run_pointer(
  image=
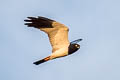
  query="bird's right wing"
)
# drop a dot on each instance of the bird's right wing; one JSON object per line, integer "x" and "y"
{"x": 75, "y": 41}
{"x": 57, "y": 32}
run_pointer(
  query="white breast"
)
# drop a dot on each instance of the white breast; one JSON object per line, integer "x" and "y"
{"x": 60, "y": 53}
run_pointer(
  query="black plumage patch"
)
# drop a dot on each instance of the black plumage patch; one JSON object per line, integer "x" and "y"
{"x": 72, "y": 48}
{"x": 40, "y": 22}
{"x": 39, "y": 62}
{"x": 42, "y": 60}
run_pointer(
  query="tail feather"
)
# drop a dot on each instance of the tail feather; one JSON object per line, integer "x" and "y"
{"x": 42, "y": 60}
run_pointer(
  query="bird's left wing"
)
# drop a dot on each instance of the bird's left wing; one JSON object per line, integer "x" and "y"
{"x": 57, "y": 32}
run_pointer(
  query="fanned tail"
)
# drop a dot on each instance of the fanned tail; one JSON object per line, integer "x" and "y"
{"x": 42, "y": 60}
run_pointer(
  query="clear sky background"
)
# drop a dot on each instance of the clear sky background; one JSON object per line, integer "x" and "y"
{"x": 97, "y": 22}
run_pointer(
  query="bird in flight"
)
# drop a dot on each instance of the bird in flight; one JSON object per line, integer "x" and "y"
{"x": 58, "y": 37}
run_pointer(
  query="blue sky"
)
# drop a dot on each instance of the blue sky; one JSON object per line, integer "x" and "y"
{"x": 96, "y": 21}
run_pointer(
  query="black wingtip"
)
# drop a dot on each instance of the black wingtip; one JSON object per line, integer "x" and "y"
{"x": 38, "y": 22}
{"x": 32, "y": 18}
{"x": 39, "y": 62}
{"x": 27, "y": 20}
{"x": 80, "y": 39}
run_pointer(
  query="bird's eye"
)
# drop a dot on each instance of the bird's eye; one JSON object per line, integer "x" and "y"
{"x": 77, "y": 46}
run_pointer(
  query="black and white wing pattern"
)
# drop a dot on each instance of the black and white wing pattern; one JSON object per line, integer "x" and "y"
{"x": 57, "y": 32}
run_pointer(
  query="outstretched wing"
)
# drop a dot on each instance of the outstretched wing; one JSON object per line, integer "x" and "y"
{"x": 57, "y": 32}
{"x": 75, "y": 41}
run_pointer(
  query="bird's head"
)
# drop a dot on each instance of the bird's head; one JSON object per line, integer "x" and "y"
{"x": 73, "y": 47}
